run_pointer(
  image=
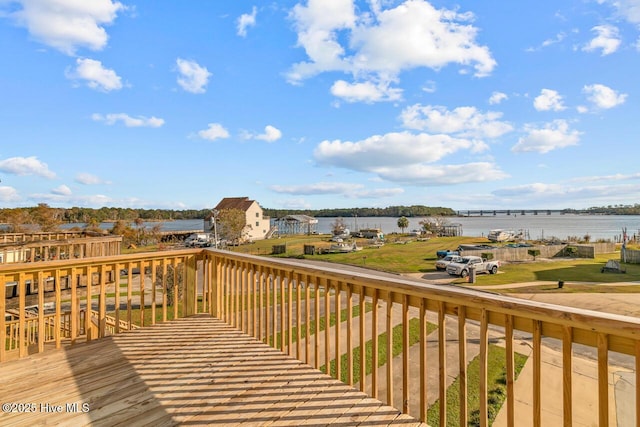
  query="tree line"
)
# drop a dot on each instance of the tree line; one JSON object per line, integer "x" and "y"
{"x": 30, "y": 215}
{"x": 390, "y": 211}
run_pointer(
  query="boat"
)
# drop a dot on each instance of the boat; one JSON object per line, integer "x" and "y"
{"x": 344, "y": 247}
{"x": 499, "y": 235}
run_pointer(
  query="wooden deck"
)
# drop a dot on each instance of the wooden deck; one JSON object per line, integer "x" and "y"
{"x": 190, "y": 371}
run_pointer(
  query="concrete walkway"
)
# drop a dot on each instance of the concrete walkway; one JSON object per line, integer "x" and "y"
{"x": 622, "y": 386}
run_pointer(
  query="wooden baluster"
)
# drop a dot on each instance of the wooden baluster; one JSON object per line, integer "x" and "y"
{"x": 41, "y": 328}
{"x": 405, "y": 354}
{"x": 327, "y": 325}
{"x": 298, "y": 317}
{"x": 350, "y": 334}
{"x": 289, "y": 314}
{"x": 143, "y": 279}
{"x": 462, "y": 363}
{"x": 281, "y": 280}
{"x": 374, "y": 346}
{"x": 603, "y": 380}
{"x": 102, "y": 302}
{"x": 316, "y": 334}
{"x": 442, "y": 362}
{"x": 75, "y": 314}
{"x": 389, "y": 349}
{"x": 307, "y": 323}
{"x": 88, "y": 324}
{"x": 567, "y": 375}
{"x": 509, "y": 350}
{"x": 423, "y": 360}
{"x": 537, "y": 373}
{"x": 3, "y": 321}
{"x": 337, "y": 337}
{"x": 363, "y": 339}
{"x": 58, "y": 302}
{"x": 154, "y": 277}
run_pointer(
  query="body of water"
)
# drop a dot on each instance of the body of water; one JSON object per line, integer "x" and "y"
{"x": 541, "y": 226}
{"x": 537, "y": 227}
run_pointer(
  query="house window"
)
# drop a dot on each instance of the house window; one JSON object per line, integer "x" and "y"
{"x": 257, "y": 214}
{"x": 257, "y": 223}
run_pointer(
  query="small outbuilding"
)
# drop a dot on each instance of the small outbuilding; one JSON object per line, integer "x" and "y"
{"x": 296, "y": 224}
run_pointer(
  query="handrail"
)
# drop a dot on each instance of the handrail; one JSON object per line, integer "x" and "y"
{"x": 244, "y": 282}
{"x": 124, "y": 291}
{"x": 323, "y": 314}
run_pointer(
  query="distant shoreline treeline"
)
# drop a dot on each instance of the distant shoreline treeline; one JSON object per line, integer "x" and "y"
{"x": 391, "y": 211}
{"x": 106, "y": 214}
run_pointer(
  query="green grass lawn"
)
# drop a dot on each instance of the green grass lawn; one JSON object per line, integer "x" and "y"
{"x": 420, "y": 256}
{"x": 497, "y": 380}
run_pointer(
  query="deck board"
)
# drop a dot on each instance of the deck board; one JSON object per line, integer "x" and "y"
{"x": 194, "y": 371}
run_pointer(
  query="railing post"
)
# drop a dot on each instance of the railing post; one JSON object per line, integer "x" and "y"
{"x": 41, "y": 329}
{"x": 389, "y": 349}
{"x": 190, "y": 285}
{"x": 22, "y": 336}
{"x": 102, "y": 313}
{"x": 462, "y": 363}
{"x": 3, "y": 326}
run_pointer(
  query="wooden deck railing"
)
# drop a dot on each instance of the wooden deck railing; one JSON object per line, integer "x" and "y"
{"x": 333, "y": 318}
{"x": 121, "y": 292}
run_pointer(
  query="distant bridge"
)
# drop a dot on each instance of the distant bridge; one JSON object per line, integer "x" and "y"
{"x": 495, "y": 212}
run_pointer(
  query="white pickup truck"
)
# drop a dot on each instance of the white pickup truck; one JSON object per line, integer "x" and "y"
{"x": 481, "y": 265}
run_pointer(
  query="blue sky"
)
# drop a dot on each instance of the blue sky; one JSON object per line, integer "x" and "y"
{"x": 320, "y": 103}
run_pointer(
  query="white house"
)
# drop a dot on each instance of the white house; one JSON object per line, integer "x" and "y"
{"x": 257, "y": 225}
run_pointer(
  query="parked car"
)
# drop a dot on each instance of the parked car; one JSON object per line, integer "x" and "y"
{"x": 481, "y": 265}
{"x": 442, "y": 263}
{"x": 444, "y": 253}
{"x": 199, "y": 240}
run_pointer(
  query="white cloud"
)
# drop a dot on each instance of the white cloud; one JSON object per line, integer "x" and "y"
{"x": 408, "y": 158}
{"x": 562, "y": 195}
{"x": 192, "y": 77}
{"x": 62, "y": 190}
{"x": 548, "y": 42}
{"x": 607, "y": 40}
{"x": 376, "y": 48}
{"x": 528, "y": 190}
{"x": 421, "y": 174}
{"x": 628, "y": 9}
{"x": 298, "y": 203}
{"x": 415, "y": 34}
{"x": 245, "y": 21}
{"x": 127, "y": 120}
{"x": 89, "y": 179}
{"x": 67, "y": 25}
{"x": 317, "y": 188}
{"x": 8, "y": 194}
{"x": 600, "y": 178}
{"x": 213, "y": 132}
{"x": 497, "y": 98}
{"x": 352, "y": 191}
{"x": 391, "y": 150}
{"x": 548, "y": 100}
{"x": 96, "y": 76}
{"x": 26, "y": 166}
{"x": 368, "y": 92}
{"x": 463, "y": 121}
{"x": 603, "y": 97}
{"x": 552, "y": 136}
{"x": 270, "y": 134}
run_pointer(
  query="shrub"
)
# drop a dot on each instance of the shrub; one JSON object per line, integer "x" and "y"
{"x": 571, "y": 251}
{"x": 487, "y": 255}
{"x": 534, "y": 253}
